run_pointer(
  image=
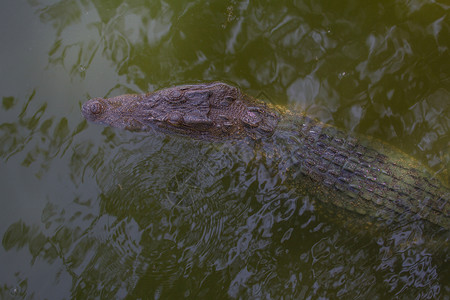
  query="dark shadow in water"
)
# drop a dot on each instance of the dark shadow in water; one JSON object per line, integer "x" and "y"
{"x": 174, "y": 225}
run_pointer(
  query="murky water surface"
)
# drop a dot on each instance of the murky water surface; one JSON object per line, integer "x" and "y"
{"x": 93, "y": 212}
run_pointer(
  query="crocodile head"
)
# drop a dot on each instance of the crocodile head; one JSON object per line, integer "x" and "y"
{"x": 207, "y": 111}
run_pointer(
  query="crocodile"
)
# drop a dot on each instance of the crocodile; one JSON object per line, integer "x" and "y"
{"x": 353, "y": 172}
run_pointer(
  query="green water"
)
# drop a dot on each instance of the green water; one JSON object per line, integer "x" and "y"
{"x": 91, "y": 212}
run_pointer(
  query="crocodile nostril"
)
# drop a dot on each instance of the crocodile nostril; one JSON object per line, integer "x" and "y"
{"x": 96, "y": 108}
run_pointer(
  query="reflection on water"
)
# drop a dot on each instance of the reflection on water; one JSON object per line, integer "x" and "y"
{"x": 30, "y": 135}
{"x": 138, "y": 215}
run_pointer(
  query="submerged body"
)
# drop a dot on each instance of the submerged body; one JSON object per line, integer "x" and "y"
{"x": 355, "y": 173}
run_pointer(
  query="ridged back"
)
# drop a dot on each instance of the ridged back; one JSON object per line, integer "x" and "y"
{"x": 359, "y": 173}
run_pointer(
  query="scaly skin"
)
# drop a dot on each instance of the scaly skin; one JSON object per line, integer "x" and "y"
{"x": 352, "y": 172}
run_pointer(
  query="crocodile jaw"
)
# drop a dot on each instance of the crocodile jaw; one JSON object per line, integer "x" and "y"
{"x": 208, "y": 111}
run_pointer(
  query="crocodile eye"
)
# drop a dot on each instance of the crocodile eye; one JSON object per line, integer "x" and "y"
{"x": 173, "y": 96}
{"x": 252, "y": 117}
{"x": 96, "y": 108}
